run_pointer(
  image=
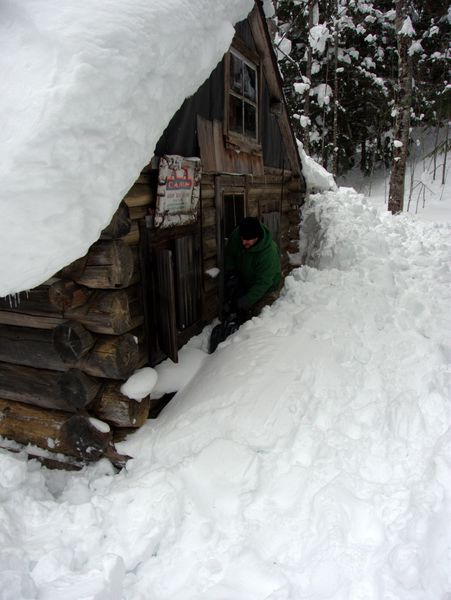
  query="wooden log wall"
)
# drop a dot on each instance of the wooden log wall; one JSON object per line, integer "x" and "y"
{"x": 67, "y": 346}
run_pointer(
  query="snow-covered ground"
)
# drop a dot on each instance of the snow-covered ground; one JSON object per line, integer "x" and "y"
{"x": 308, "y": 458}
{"x": 426, "y": 196}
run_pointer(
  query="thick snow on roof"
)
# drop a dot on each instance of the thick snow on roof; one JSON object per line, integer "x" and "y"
{"x": 87, "y": 90}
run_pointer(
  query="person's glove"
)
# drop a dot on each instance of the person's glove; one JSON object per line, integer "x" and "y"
{"x": 243, "y": 303}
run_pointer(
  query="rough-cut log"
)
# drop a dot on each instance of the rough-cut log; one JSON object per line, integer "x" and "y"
{"x": 27, "y": 301}
{"x": 77, "y": 388}
{"x": 114, "y": 357}
{"x": 65, "y": 294}
{"x": 117, "y": 409}
{"x": 110, "y": 312}
{"x": 88, "y": 437}
{"x": 69, "y": 391}
{"x": 54, "y": 430}
{"x": 139, "y": 195}
{"x": 72, "y": 341}
{"x": 120, "y": 223}
{"x": 71, "y": 345}
{"x": 109, "y": 264}
{"x": 132, "y": 238}
{"x": 26, "y": 346}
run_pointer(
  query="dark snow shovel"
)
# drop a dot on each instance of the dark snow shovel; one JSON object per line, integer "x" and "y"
{"x": 223, "y": 330}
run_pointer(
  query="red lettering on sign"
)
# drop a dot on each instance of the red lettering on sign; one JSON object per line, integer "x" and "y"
{"x": 184, "y": 182}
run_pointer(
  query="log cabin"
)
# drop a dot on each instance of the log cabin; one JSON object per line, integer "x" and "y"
{"x": 150, "y": 282}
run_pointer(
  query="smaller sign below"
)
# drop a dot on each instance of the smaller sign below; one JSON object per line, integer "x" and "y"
{"x": 178, "y": 190}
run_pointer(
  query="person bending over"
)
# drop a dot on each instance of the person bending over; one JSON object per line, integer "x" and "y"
{"x": 252, "y": 268}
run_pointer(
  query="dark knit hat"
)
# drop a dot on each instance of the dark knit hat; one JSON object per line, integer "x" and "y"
{"x": 250, "y": 229}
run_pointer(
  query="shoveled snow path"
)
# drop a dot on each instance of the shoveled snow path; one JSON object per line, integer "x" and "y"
{"x": 310, "y": 456}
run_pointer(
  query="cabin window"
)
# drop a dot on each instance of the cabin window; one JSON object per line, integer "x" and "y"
{"x": 242, "y": 97}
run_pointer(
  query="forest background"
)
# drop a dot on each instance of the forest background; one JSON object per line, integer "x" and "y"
{"x": 365, "y": 80}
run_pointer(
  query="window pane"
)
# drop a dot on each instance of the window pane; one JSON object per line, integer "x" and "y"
{"x": 235, "y": 114}
{"x": 236, "y": 74}
{"x": 249, "y": 79}
{"x": 250, "y": 120}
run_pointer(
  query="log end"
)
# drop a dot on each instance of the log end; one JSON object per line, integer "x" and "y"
{"x": 86, "y": 439}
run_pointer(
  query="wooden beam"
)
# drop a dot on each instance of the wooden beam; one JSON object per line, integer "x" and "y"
{"x": 109, "y": 312}
{"x": 71, "y": 390}
{"x": 109, "y": 264}
{"x": 120, "y": 223}
{"x": 53, "y": 430}
{"x": 115, "y": 408}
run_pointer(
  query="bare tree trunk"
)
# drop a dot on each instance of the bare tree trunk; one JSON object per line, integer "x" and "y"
{"x": 335, "y": 121}
{"x": 446, "y": 154}
{"x": 308, "y": 74}
{"x": 402, "y": 121}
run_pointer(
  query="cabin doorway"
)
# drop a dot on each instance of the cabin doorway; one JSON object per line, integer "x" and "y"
{"x": 231, "y": 208}
{"x": 172, "y": 277}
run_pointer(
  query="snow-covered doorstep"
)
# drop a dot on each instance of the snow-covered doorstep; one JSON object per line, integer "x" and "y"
{"x": 309, "y": 458}
{"x": 87, "y": 89}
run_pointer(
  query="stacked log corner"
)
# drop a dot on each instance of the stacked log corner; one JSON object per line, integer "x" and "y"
{"x": 67, "y": 346}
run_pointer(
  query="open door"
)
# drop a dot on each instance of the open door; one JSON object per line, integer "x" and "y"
{"x": 172, "y": 291}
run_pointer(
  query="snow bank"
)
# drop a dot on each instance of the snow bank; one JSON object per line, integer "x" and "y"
{"x": 87, "y": 90}
{"x": 310, "y": 456}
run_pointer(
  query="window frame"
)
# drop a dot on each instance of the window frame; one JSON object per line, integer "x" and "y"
{"x": 233, "y": 138}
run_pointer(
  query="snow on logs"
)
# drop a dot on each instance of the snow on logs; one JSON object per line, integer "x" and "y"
{"x": 67, "y": 346}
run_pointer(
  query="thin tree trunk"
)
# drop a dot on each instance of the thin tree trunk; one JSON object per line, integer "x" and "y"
{"x": 335, "y": 117}
{"x": 402, "y": 121}
{"x": 306, "y": 129}
{"x": 446, "y": 155}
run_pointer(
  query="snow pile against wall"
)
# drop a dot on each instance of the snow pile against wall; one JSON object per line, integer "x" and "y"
{"x": 87, "y": 90}
{"x": 317, "y": 178}
{"x": 309, "y": 457}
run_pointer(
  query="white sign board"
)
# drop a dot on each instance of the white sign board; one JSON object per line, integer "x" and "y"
{"x": 178, "y": 190}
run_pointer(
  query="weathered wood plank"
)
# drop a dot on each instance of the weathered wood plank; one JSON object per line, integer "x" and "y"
{"x": 65, "y": 294}
{"x": 109, "y": 264}
{"x": 71, "y": 341}
{"x": 120, "y": 223}
{"x": 132, "y": 238}
{"x": 70, "y": 391}
{"x": 108, "y": 312}
{"x": 140, "y": 194}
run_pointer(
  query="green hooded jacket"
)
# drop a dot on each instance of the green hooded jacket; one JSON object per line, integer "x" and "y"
{"x": 258, "y": 268}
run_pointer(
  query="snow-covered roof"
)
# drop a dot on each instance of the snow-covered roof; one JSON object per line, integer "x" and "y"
{"x": 87, "y": 90}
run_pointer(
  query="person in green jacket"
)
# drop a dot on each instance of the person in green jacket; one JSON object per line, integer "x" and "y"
{"x": 252, "y": 257}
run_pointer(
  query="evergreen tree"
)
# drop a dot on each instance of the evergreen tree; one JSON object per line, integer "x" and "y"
{"x": 341, "y": 75}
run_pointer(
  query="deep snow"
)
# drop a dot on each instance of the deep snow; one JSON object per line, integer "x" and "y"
{"x": 309, "y": 457}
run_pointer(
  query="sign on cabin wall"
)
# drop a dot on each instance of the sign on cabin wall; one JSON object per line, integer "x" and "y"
{"x": 178, "y": 190}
